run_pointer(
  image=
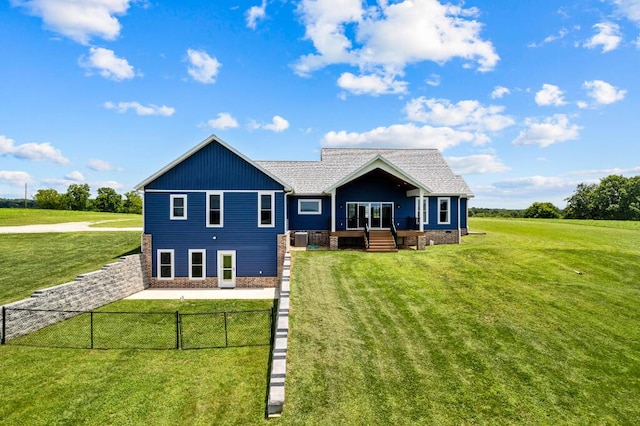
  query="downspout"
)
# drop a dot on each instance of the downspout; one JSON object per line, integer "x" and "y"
{"x": 333, "y": 210}
{"x": 459, "y": 229}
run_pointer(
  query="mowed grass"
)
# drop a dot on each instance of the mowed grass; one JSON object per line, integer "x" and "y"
{"x": 33, "y": 261}
{"x": 535, "y": 322}
{"x": 44, "y": 386}
{"x": 18, "y": 217}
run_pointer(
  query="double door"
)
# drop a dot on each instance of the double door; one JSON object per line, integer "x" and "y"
{"x": 377, "y": 215}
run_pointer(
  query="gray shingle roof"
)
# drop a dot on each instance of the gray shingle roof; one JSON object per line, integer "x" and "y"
{"x": 425, "y": 166}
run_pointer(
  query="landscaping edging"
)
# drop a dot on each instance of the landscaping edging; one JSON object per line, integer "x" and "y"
{"x": 275, "y": 401}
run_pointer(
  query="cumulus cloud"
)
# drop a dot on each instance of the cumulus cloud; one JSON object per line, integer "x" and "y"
{"x": 607, "y": 172}
{"x": 549, "y": 131}
{"x": 629, "y": 8}
{"x": 101, "y": 165}
{"x": 107, "y": 64}
{"x": 608, "y": 36}
{"x": 477, "y": 164}
{"x": 467, "y": 114}
{"x": 499, "y": 91}
{"x": 15, "y": 178}
{"x": 256, "y": 13}
{"x": 383, "y": 39}
{"x": 122, "y": 107}
{"x": 371, "y": 84}
{"x": 550, "y": 95}
{"x": 31, "y": 151}
{"x": 223, "y": 121}
{"x": 75, "y": 176}
{"x": 278, "y": 124}
{"x": 433, "y": 80}
{"x": 202, "y": 67}
{"x": 551, "y": 38}
{"x": 603, "y": 93}
{"x": 400, "y": 136}
{"x": 80, "y": 20}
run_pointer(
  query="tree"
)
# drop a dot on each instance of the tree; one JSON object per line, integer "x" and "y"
{"x": 581, "y": 204}
{"x": 78, "y": 196}
{"x": 542, "y": 211}
{"x": 108, "y": 200}
{"x": 132, "y": 203}
{"x": 614, "y": 198}
{"x": 49, "y": 199}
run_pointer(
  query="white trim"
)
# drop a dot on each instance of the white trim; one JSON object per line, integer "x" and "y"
{"x": 316, "y": 200}
{"x": 333, "y": 210}
{"x": 448, "y": 221}
{"x": 273, "y": 209}
{"x": 206, "y": 212}
{"x": 220, "y": 254}
{"x": 459, "y": 229}
{"x": 205, "y": 190}
{"x": 159, "y": 265}
{"x": 369, "y": 216}
{"x": 286, "y": 212}
{"x": 172, "y": 198}
{"x": 204, "y": 264}
{"x": 422, "y": 213}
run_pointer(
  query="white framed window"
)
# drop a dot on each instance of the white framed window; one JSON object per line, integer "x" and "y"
{"x": 444, "y": 210}
{"x": 165, "y": 265}
{"x": 310, "y": 206}
{"x": 215, "y": 209}
{"x": 197, "y": 264}
{"x": 266, "y": 209}
{"x": 425, "y": 209}
{"x": 178, "y": 206}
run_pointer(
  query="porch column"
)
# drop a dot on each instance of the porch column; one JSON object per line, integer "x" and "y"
{"x": 421, "y": 211}
{"x": 333, "y": 211}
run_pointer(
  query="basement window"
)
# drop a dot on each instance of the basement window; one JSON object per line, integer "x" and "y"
{"x": 165, "y": 265}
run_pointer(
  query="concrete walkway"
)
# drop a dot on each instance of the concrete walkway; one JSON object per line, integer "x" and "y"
{"x": 209, "y": 293}
{"x": 62, "y": 227}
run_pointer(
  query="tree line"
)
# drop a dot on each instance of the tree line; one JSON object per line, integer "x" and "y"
{"x": 78, "y": 198}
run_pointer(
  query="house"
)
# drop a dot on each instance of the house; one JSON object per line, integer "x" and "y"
{"x": 215, "y": 218}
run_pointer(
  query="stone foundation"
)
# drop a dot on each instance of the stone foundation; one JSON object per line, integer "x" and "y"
{"x": 442, "y": 237}
{"x": 333, "y": 243}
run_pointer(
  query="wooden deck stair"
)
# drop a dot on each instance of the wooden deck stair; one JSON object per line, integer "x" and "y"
{"x": 381, "y": 242}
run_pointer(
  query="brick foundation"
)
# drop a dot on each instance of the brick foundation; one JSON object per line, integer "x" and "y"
{"x": 333, "y": 243}
{"x": 318, "y": 238}
{"x": 442, "y": 237}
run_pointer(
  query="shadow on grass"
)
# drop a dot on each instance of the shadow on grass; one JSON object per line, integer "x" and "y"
{"x": 136, "y": 250}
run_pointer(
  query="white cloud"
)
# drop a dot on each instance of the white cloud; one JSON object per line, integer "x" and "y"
{"x": 14, "y": 178}
{"x": 31, "y": 151}
{"x": 477, "y": 164}
{"x": 383, "y": 39}
{"x": 551, "y": 130}
{"x": 550, "y": 95}
{"x": 202, "y": 67}
{"x": 75, "y": 176}
{"x": 551, "y": 38}
{"x": 140, "y": 109}
{"x": 223, "y": 121}
{"x": 371, "y": 84}
{"x": 80, "y": 20}
{"x": 608, "y": 37}
{"x": 629, "y": 8}
{"x": 109, "y": 184}
{"x": 467, "y": 114}
{"x": 433, "y": 80}
{"x": 499, "y": 91}
{"x": 637, "y": 42}
{"x": 256, "y": 13}
{"x": 107, "y": 64}
{"x": 608, "y": 172}
{"x": 400, "y": 136}
{"x": 101, "y": 165}
{"x": 603, "y": 93}
{"x": 278, "y": 124}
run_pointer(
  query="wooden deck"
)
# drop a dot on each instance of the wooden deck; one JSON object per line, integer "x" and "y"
{"x": 354, "y": 233}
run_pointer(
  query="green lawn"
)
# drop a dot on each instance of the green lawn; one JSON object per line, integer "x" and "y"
{"x": 32, "y": 261}
{"x": 17, "y": 217}
{"x": 499, "y": 330}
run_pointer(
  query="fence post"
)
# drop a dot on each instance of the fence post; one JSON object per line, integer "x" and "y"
{"x": 91, "y": 320}
{"x": 4, "y": 325}
{"x": 177, "y": 329}
{"x": 226, "y": 337}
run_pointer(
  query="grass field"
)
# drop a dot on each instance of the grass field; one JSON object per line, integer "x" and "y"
{"x": 17, "y": 217}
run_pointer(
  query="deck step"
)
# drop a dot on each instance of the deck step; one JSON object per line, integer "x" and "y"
{"x": 381, "y": 242}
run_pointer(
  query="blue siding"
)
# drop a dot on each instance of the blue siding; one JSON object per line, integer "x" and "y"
{"x": 256, "y": 248}
{"x": 463, "y": 212}
{"x": 434, "y": 212}
{"x": 214, "y": 167}
{"x": 312, "y": 221}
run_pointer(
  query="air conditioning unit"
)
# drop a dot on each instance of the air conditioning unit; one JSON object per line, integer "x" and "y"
{"x": 302, "y": 239}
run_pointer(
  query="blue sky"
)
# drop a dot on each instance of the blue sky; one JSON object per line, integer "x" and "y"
{"x": 525, "y": 99}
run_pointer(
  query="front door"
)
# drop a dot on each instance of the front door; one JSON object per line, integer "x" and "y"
{"x": 226, "y": 268}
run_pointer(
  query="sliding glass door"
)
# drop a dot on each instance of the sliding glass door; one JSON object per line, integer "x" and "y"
{"x": 377, "y": 215}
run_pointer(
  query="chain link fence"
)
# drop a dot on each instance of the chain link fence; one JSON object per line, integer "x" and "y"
{"x": 136, "y": 330}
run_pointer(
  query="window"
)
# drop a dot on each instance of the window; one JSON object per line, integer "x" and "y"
{"x": 165, "y": 264}
{"x": 266, "y": 207}
{"x": 310, "y": 206}
{"x": 197, "y": 264}
{"x": 178, "y": 207}
{"x": 215, "y": 209}
{"x": 443, "y": 210}
{"x": 425, "y": 209}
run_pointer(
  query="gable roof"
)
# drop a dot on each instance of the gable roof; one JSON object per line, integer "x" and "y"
{"x": 425, "y": 168}
{"x": 195, "y": 149}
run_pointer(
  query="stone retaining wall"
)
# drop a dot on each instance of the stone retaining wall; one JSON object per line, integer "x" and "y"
{"x": 89, "y": 291}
